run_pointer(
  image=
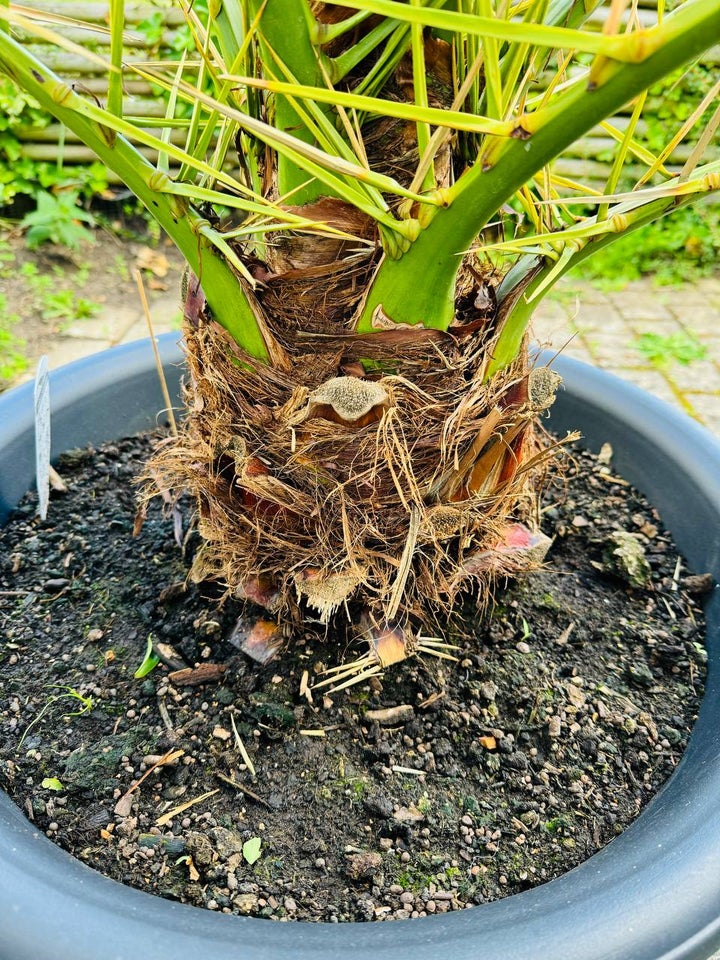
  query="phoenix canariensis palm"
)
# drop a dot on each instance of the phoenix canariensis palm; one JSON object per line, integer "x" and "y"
{"x": 361, "y": 429}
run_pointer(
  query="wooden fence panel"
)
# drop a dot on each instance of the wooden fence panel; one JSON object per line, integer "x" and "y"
{"x": 586, "y": 161}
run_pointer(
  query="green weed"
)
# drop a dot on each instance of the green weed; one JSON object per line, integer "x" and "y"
{"x": 661, "y": 351}
{"x": 67, "y": 305}
{"x": 414, "y": 880}
{"x": 150, "y": 660}
{"x": 152, "y": 29}
{"x": 57, "y": 219}
{"x": 59, "y": 304}
{"x": 12, "y": 359}
{"x": 121, "y": 267}
{"x": 7, "y": 260}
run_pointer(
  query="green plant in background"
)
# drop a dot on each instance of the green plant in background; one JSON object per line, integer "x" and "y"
{"x": 678, "y": 250}
{"x": 13, "y": 361}
{"x": 67, "y": 305}
{"x": 661, "y": 351}
{"x": 50, "y": 297}
{"x": 20, "y": 174}
{"x": 357, "y": 302}
{"x": 152, "y": 28}
{"x": 674, "y": 100}
{"x": 57, "y": 219}
{"x": 17, "y": 109}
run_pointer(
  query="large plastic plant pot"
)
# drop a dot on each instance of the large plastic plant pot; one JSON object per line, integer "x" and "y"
{"x": 654, "y": 892}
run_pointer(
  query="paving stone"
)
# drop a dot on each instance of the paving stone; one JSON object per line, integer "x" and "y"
{"x": 647, "y": 379}
{"x": 701, "y": 320}
{"x": 707, "y": 409}
{"x": 702, "y": 376}
{"x": 665, "y": 326}
{"x": 109, "y": 326}
{"x": 65, "y": 350}
{"x": 166, "y": 308}
{"x": 586, "y": 292}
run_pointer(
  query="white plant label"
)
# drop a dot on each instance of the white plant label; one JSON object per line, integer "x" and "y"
{"x": 42, "y": 435}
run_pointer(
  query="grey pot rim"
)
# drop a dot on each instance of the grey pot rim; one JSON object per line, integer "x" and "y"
{"x": 653, "y": 893}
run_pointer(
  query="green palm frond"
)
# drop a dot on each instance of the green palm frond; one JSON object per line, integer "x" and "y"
{"x": 518, "y": 84}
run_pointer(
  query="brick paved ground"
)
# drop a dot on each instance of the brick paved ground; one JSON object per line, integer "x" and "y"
{"x": 604, "y": 328}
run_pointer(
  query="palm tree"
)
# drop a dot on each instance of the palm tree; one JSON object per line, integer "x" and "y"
{"x": 366, "y": 199}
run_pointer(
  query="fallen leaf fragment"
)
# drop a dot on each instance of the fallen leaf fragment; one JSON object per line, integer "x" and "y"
{"x": 52, "y": 783}
{"x": 154, "y": 261}
{"x": 490, "y": 743}
{"x": 518, "y": 547}
{"x": 387, "y": 643}
{"x": 251, "y": 849}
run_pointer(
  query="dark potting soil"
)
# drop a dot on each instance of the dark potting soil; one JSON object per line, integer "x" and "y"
{"x": 440, "y": 786}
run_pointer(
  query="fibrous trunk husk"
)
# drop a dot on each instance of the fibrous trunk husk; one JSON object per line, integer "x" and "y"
{"x": 375, "y": 473}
